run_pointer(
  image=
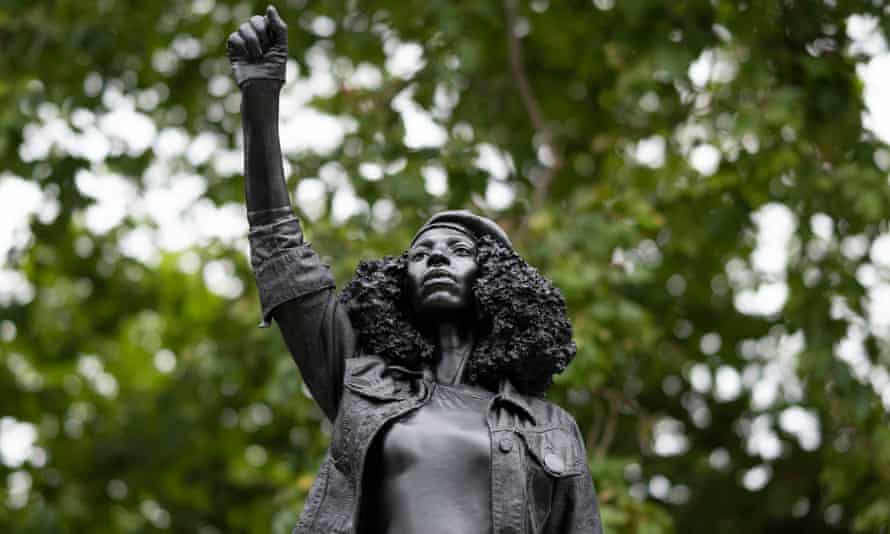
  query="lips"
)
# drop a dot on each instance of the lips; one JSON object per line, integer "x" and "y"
{"x": 438, "y": 276}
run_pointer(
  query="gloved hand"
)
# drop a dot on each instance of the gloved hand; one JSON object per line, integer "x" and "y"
{"x": 258, "y": 50}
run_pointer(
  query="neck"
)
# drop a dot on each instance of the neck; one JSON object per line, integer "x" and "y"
{"x": 456, "y": 341}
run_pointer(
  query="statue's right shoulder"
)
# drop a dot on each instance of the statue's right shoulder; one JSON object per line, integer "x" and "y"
{"x": 364, "y": 365}
{"x": 372, "y": 376}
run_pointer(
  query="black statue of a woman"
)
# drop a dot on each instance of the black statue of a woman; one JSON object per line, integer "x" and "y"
{"x": 431, "y": 365}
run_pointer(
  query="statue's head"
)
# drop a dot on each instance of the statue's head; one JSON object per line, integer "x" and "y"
{"x": 440, "y": 273}
{"x": 461, "y": 265}
{"x": 442, "y": 264}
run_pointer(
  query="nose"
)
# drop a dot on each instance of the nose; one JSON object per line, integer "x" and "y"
{"x": 437, "y": 258}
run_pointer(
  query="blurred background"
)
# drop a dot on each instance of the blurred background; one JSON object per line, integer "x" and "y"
{"x": 705, "y": 180}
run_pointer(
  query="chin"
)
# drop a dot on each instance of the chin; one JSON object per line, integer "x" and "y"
{"x": 441, "y": 303}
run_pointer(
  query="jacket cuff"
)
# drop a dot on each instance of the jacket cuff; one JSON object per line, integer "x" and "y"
{"x": 269, "y": 216}
{"x": 270, "y": 240}
{"x": 292, "y": 274}
{"x": 286, "y": 267}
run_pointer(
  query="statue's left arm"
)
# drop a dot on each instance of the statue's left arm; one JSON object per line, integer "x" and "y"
{"x": 575, "y": 509}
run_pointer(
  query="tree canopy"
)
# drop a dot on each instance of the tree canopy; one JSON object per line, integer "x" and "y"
{"x": 703, "y": 179}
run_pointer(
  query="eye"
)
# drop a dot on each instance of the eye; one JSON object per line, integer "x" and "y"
{"x": 419, "y": 255}
{"x": 463, "y": 250}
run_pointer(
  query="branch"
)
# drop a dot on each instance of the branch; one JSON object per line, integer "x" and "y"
{"x": 529, "y": 100}
{"x": 596, "y": 429}
{"x": 608, "y": 435}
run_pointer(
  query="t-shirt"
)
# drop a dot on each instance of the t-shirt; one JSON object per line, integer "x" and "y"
{"x": 435, "y": 470}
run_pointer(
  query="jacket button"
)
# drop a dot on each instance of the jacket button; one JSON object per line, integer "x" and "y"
{"x": 554, "y": 463}
{"x": 506, "y": 445}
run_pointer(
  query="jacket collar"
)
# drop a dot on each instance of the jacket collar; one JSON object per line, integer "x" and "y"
{"x": 509, "y": 395}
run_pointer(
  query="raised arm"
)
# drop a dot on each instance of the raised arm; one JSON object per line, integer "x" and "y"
{"x": 296, "y": 289}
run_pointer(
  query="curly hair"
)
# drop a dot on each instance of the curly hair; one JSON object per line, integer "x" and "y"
{"x": 523, "y": 331}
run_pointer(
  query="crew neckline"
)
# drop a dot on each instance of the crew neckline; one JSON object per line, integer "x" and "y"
{"x": 469, "y": 389}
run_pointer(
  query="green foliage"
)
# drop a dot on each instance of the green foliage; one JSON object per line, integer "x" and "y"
{"x": 157, "y": 402}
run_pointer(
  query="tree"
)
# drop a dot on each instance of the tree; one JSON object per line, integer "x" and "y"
{"x": 695, "y": 176}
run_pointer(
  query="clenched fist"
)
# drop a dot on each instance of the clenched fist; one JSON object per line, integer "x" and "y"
{"x": 258, "y": 50}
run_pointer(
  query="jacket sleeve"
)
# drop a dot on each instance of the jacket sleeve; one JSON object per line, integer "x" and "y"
{"x": 297, "y": 290}
{"x": 574, "y": 509}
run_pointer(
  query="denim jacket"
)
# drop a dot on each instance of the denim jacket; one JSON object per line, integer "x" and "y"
{"x": 540, "y": 482}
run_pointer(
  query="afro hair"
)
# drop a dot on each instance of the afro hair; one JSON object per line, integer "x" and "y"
{"x": 523, "y": 331}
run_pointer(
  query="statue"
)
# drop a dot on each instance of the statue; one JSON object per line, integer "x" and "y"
{"x": 431, "y": 365}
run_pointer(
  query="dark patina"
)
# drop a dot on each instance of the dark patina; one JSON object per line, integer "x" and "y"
{"x": 428, "y": 363}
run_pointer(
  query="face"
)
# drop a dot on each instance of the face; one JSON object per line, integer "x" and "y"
{"x": 441, "y": 270}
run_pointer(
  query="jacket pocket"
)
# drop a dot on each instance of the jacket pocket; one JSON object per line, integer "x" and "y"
{"x": 553, "y": 454}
